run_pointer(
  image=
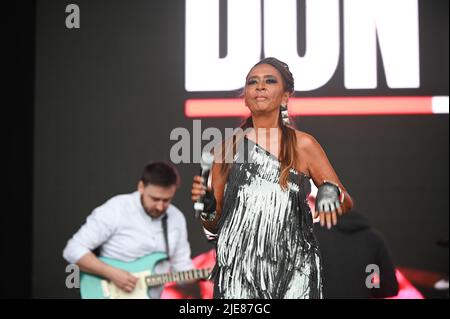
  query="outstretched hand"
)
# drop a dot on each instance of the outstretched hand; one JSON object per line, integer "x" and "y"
{"x": 328, "y": 218}
{"x": 328, "y": 204}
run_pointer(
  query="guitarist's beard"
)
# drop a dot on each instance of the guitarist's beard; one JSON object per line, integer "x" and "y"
{"x": 153, "y": 213}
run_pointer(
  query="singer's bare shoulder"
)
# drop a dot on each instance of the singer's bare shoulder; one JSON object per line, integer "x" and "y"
{"x": 308, "y": 149}
{"x": 305, "y": 141}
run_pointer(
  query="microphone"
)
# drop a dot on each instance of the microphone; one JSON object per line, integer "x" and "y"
{"x": 206, "y": 165}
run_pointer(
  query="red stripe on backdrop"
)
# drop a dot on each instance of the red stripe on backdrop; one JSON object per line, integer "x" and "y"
{"x": 317, "y": 106}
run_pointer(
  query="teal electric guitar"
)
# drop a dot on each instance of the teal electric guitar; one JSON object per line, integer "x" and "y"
{"x": 94, "y": 287}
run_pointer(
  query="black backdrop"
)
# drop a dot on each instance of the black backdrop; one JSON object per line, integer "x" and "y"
{"x": 106, "y": 97}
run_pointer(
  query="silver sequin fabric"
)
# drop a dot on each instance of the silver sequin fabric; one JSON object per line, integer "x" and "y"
{"x": 266, "y": 247}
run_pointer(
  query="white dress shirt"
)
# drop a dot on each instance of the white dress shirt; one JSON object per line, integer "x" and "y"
{"x": 126, "y": 232}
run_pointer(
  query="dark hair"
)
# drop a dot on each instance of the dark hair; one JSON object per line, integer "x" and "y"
{"x": 288, "y": 155}
{"x": 160, "y": 173}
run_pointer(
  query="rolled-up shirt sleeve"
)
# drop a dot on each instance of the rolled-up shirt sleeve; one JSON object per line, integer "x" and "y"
{"x": 99, "y": 226}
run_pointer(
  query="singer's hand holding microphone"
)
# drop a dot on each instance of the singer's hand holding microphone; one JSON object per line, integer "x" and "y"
{"x": 203, "y": 197}
{"x": 198, "y": 188}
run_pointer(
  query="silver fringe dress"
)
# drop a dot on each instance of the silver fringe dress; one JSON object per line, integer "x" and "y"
{"x": 265, "y": 245}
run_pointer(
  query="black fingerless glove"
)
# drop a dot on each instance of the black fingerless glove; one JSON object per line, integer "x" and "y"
{"x": 209, "y": 210}
{"x": 329, "y": 197}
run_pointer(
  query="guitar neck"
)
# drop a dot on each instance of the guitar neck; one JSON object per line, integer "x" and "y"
{"x": 179, "y": 277}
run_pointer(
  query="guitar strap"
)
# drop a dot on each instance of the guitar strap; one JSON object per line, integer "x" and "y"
{"x": 166, "y": 239}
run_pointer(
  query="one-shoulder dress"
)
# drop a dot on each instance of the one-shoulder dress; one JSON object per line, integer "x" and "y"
{"x": 265, "y": 245}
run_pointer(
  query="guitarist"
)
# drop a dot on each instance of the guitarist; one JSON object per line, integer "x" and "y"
{"x": 130, "y": 226}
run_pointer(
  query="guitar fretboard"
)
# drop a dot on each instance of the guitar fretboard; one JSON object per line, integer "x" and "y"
{"x": 182, "y": 276}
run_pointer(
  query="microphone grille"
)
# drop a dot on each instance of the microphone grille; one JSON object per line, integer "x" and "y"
{"x": 207, "y": 160}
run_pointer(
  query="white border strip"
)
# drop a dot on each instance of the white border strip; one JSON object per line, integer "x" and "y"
{"x": 439, "y": 104}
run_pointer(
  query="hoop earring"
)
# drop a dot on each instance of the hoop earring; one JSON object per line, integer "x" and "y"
{"x": 284, "y": 114}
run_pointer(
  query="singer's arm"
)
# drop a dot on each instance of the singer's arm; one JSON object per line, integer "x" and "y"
{"x": 218, "y": 185}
